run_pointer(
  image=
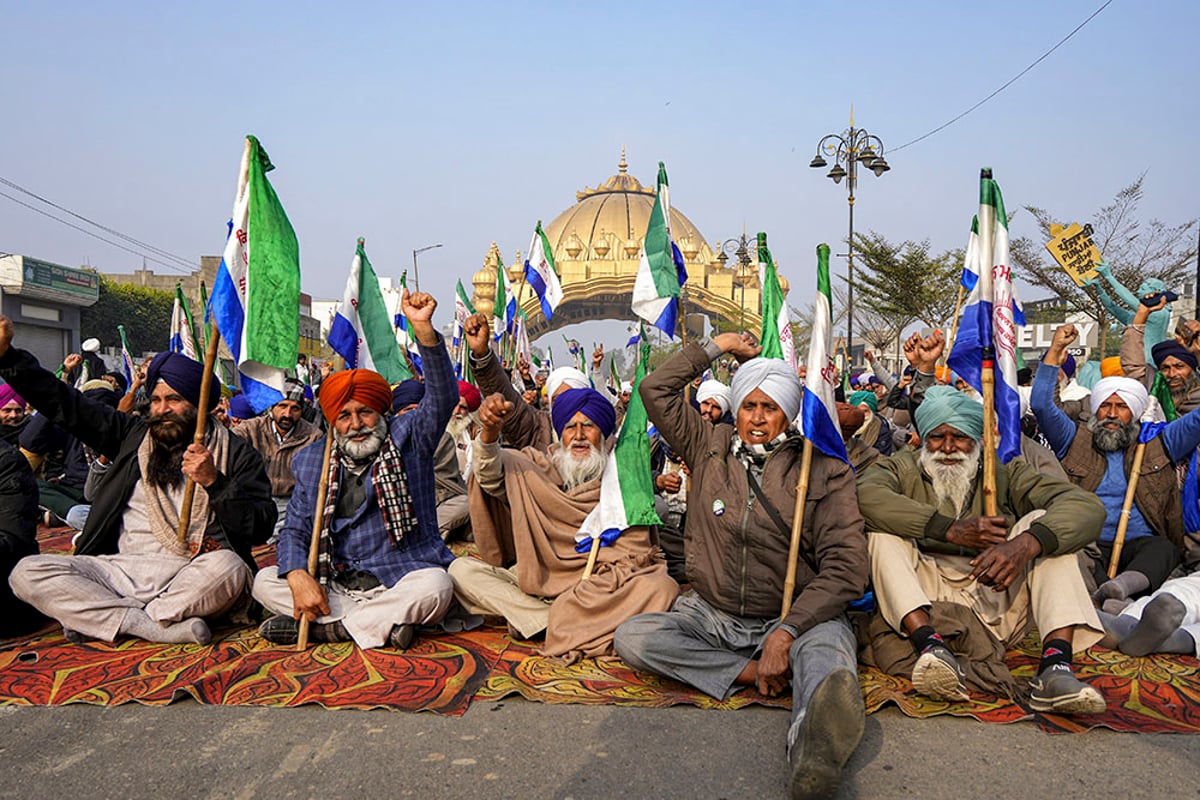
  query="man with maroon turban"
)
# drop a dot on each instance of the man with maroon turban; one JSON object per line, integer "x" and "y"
{"x": 132, "y": 575}
{"x": 382, "y": 567}
{"x": 539, "y": 499}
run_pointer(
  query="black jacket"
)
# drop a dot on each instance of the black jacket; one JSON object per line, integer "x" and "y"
{"x": 18, "y": 505}
{"x": 244, "y": 513}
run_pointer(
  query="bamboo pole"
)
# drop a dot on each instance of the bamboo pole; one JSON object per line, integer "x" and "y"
{"x": 1126, "y": 507}
{"x": 990, "y": 445}
{"x": 789, "y": 579}
{"x": 314, "y": 545}
{"x": 189, "y": 489}
{"x": 953, "y": 326}
{"x": 591, "y": 562}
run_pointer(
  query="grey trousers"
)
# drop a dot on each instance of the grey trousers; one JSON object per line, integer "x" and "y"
{"x": 91, "y": 594}
{"x": 707, "y": 648}
{"x": 452, "y": 513}
{"x": 422, "y": 597}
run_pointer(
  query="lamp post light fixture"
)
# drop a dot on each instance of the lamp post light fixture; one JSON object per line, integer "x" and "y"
{"x": 741, "y": 248}
{"x": 847, "y": 150}
{"x": 417, "y": 252}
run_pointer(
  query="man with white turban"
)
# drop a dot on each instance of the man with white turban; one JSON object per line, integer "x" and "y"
{"x": 726, "y": 632}
{"x": 715, "y": 400}
{"x": 931, "y": 542}
{"x": 1098, "y": 456}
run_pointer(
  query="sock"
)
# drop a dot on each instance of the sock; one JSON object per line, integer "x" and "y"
{"x": 138, "y": 623}
{"x": 1116, "y": 628}
{"x": 926, "y": 637}
{"x": 1055, "y": 652}
{"x": 1160, "y": 618}
{"x": 1114, "y": 606}
{"x": 1124, "y": 586}
{"x": 1180, "y": 642}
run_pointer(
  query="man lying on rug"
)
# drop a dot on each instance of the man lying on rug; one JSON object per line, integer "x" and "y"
{"x": 727, "y": 631}
{"x": 132, "y": 574}
{"x": 542, "y": 497}
{"x": 930, "y": 542}
{"x": 1167, "y": 621}
{"x": 382, "y": 568}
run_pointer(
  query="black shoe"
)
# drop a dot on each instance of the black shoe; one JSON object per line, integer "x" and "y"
{"x": 831, "y": 729}
{"x": 329, "y": 631}
{"x": 402, "y": 635}
{"x": 280, "y": 630}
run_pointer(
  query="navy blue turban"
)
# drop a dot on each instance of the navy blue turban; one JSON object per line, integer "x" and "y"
{"x": 1170, "y": 347}
{"x": 593, "y": 405}
{"x": 182, "y": 374}
{"x": 240, "y": 408}
{"x": 406, "y": 394}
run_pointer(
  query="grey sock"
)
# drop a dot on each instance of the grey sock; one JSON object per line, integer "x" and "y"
{"x": 1115, "y": 607}
{"x": 1180, "y": 642}
{"x": 1160, "y": 618}
{"x": 138, "y": 623}
{"x": 1124, "y": 586}
{"x": 1116, "y": 628}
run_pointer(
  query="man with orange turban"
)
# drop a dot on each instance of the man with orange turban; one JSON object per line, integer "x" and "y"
{"x": 382, "y": 566}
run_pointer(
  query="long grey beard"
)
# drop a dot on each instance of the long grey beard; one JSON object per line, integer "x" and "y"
{"x": 952, "y": 482}
{"x": 361, "y": 452}
{"x": 456, "y": 426}
{"x": 577, "y": 471}
{"x": 1109, "y": 440}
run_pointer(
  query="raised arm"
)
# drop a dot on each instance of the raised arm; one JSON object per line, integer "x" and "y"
{"x": 1054, "y": 423}
{"x": 521, "y": 424}
{"x": 426, "y": 423}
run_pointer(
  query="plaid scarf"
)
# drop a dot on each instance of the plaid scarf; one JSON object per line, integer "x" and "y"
{"x": 754, "y": 456}
{"x": 391, "y": 488}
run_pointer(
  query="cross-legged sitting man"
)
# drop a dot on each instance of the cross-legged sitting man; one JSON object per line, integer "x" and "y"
{"x": 132, "y": 574}
{"x": 382, "y": 563}
{"x": 930, "y": 541}
{"x": 727, "y": 631}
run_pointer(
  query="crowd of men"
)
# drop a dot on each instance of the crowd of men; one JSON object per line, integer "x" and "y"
{"x": 900, "y": 564}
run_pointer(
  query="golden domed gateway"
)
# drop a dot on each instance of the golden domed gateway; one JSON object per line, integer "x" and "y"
{"x": 597, "y": 243}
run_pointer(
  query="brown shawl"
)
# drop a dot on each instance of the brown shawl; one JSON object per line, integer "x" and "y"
{"x": 537, "y": 527}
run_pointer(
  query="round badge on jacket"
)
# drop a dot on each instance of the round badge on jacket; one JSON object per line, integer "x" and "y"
{"x": 718, "y": 507}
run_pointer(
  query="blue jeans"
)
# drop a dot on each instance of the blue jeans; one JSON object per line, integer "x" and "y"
{"x": 707, "y": 648}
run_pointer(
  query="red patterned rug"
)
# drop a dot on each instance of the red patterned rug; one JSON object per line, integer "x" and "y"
{"x": 443, "y": 673}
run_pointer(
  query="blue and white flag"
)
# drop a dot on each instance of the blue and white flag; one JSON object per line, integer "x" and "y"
{"x": 541, "y": 272}
{"x": 987, "y": 335}
{"x": 818, "y": 408}
{"x": 504, "y": 306}
{"x": 970, "y": 273}
{"x": 183, "y": 335}
{"x": 661, "y": 272}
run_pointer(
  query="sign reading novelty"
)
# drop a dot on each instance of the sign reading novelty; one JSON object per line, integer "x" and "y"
{"x": 1039, "y": 336}
{"x": 1074, "y": 250}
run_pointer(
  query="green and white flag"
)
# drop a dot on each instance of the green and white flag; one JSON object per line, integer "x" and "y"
{"x": 363, "y": 331}
{"x": 776, "y": 338}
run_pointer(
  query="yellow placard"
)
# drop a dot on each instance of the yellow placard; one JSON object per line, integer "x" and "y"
{"x": 1074, "y": 250}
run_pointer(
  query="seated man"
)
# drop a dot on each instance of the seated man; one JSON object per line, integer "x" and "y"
{"x": 727, "y": 631}
{"x": 714, "y": 399}
{"x": 1175, "y": 360}
{"x": 382, "y": 569}
{"x": 12, "y": 415}
{"x": 1098, "y": 457}
{"x": 278, "y": 436}
{"x": 450, "y": 490}
{"x": 464, "y": 425}
{"x": 546, "y": 495}
{"x": 132, "y": 574}
{"x": 875, "y": 430}
{"x": 18, "y": 537}
{"x": 1167, "y": 621}
{"x": 931, "y": 542}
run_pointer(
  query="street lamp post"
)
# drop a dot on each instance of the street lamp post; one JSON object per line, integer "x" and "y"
{"x": 741, "y": 248}
{"x": 847, "y": 149}
{"x": 417, "y": 252}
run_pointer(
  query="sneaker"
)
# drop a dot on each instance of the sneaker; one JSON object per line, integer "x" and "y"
{"x": 832, "y": 727}
{"x": 328, "y": 631}
{"x": 939, "y": 676}
{"x": 402, "y": 635}
{"x": 280, "y": 630}
{"x": 1057, "y": 690}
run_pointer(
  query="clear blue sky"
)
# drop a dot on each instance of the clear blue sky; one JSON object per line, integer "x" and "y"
{"x": 412, "y": 123}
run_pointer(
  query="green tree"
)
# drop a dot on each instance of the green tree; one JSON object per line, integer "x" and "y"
{"x": 1134, "y": 251}
{"x": 897, "y": 284}
{"x": 145, "y": 313}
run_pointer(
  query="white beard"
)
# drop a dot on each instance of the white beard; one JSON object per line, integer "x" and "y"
{"x": 577, "y": 471}
{"x": 952, "y": 481}
{"x": 360, "y": 451}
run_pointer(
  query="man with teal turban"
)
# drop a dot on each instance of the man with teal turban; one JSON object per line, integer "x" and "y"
{"x": 875, "y": 430}
{"x": 931, "y": 542}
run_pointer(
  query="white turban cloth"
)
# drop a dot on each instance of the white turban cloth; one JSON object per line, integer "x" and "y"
{"x": 1132, "y": 392}
{"x": 717, "y": 392}
{"x": 568, "y": 376}
{"x": 775, "y": 378}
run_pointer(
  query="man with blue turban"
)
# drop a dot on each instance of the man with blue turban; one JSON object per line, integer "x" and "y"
{"x": 530, "y": 573}
{"x": 727, "y": 632}
{"x": 931, "y": 542}
{"x": 132, "y": 574}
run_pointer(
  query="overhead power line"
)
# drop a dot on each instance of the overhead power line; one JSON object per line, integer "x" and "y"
{"x": 1008, "y": 83}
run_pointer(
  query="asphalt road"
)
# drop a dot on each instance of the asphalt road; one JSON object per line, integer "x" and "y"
{"x": 517, "y": 749}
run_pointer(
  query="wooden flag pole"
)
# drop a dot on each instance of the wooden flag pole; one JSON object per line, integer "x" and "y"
{"x": 990, "y": 445}
{"x": 1123, "y": 522}
{"x": 314, "y": 545}
{"x": 591, "y": 562}
{"x": 789, "y": 580}
{"x": 189, "y": 489}
{"x": 953, "y": 326}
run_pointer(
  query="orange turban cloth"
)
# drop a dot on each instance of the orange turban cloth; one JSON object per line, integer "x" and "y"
{"x": 942, "y": 373}
{"x": 364, "y": 385}
{"x": 1111, "y": 367}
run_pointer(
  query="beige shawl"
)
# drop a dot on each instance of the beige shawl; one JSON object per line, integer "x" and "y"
{"x": 162, "y": 513}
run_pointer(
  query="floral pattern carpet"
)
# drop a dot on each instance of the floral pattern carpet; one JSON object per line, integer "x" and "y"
{"x": 444, "y": 673}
